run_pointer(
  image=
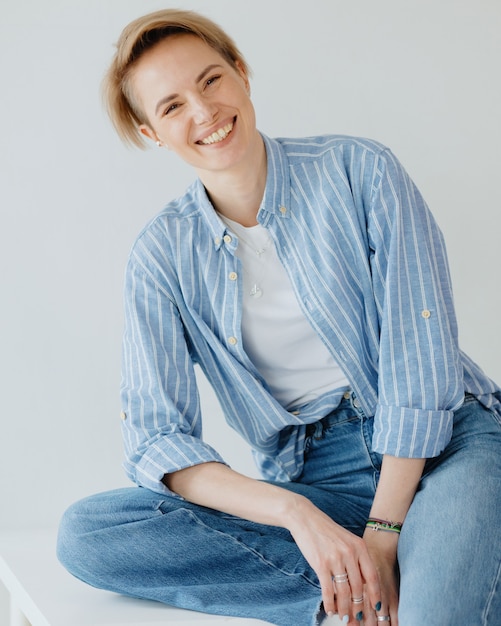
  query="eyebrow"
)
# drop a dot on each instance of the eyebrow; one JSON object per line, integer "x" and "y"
{"x": 163, "y": 101}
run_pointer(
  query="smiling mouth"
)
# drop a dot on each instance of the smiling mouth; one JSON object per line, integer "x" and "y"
{"x": 218, "y": 135}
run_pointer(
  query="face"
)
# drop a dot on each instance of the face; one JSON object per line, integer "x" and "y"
{"x": 196, "y": 103}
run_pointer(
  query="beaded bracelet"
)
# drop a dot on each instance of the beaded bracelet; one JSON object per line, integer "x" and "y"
{"x": 381, "y": 524}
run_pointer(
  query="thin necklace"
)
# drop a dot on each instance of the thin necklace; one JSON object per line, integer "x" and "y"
{"x": 256, "y": 291}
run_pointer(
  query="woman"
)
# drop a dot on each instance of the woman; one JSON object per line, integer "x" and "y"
{"x": 309, "y": 281}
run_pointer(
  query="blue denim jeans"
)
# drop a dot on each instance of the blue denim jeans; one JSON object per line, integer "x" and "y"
{"x": 148, "y": 545}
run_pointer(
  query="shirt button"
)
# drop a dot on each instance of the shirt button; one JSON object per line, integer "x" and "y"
{"x": 426, "y": 314}
{"x": 227, "y": 239}
{"x": 356, "y": 403}
{"x": 123, "y": 415}
{"x": 346, "y": 395}
{"x": 232, "y": 341}
{"x": 232, "y": 276}
{"x": 295, "y": 412}
{"x": 283, "y": 210}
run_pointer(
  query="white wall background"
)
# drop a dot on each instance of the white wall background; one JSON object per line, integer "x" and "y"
{"x": 422, "y": 76}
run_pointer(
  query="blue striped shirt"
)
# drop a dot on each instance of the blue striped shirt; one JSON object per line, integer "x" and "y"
{"x": 368, "y": 266}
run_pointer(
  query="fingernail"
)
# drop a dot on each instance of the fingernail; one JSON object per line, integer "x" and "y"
{"x": 378, "y": 606}
{"x": 330, "y": 613}
{"x": 346, "y": 619}
{"x": 360, "y": 616}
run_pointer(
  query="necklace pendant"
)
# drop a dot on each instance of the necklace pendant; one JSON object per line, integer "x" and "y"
{"x": 256, "y": 292}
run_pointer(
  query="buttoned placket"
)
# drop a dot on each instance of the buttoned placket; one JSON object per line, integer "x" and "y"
{"x": 228, "y": 243}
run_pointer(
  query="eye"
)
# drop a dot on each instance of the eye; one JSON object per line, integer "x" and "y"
{"x": 213, "y": 79}
{"x": 171, "y": 108}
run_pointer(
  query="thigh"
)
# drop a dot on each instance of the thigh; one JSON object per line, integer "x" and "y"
{"x": 120, "y": 520}
{"x": 341, "y": 471}
{"x": 450, "y": 546}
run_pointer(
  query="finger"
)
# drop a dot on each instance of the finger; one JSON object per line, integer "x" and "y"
{"x": 343, "y": 596}
{"x": 384, "y": 617}
{"x": 372, "y": 585}
{"x": 369, "y": 611}
{"x": 356, "y": 593}
{"x": 327, "y": 587}
{"x": 357, "y": 604}
{"x": 393, "y": 612}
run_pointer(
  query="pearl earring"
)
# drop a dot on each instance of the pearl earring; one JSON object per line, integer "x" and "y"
{"x": 159, "y": 144}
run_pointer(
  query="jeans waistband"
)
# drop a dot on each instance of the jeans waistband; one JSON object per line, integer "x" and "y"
{"x": 348, "y": 401}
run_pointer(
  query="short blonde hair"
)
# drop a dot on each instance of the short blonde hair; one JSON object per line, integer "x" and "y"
{"x": 141, "y": 35}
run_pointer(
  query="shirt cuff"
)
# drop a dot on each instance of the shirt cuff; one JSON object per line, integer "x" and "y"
{"x": 411, "y": 433}
{"x": 169, "y": 454}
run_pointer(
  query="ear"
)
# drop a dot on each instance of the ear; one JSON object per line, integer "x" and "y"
{"x": 243, "y": 74}
{"x": 148, "y": 132}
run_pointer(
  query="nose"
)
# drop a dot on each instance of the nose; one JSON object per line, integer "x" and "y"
{"x": 203, "y": 111}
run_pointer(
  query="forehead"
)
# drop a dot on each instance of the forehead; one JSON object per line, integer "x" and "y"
{"x": 175, "y": 57}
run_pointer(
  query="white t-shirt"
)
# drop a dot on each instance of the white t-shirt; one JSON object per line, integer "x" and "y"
{"x": 278, "y": 338}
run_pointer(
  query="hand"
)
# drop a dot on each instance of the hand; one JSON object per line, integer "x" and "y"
{"x": 333, "y": 551}
{"x": 382, "y": 547}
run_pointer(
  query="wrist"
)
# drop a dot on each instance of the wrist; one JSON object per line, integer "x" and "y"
{"x": 376, "y": 524}
{"x": 296, "y": 510}
{"x": 385, "y": 543}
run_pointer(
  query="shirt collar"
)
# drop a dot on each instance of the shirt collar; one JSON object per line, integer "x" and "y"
{"x": 276, "y": 199}
{"x": 216, "y": 225}
{"x": 276, "y": 196}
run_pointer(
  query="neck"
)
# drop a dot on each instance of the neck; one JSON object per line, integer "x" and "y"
{"x": 238, "y": 194}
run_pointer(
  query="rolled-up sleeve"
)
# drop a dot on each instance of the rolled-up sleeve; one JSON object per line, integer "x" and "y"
{"x": 161, "y": 413}
{"x": 420, "y": 381}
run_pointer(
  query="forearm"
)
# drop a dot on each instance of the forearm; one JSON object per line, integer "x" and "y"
{"x": 396, "y": 489}
{"x": 397, "y": 486}
{"x": 216, "y": 486}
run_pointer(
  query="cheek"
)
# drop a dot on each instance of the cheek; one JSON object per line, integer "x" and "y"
{"x": 250, "y": 113}
{"x": 173, "y": 133}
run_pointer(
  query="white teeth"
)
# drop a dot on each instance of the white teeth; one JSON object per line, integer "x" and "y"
{"x": 218, "y": 135}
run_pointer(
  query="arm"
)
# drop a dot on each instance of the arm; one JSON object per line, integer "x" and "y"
{"x": 420, "y": 381}
{"x": 395, "y": 492}
{"x": 160, "y": 403}
{"x": 397, "y": 487}
{"x": 420, "y": 373}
